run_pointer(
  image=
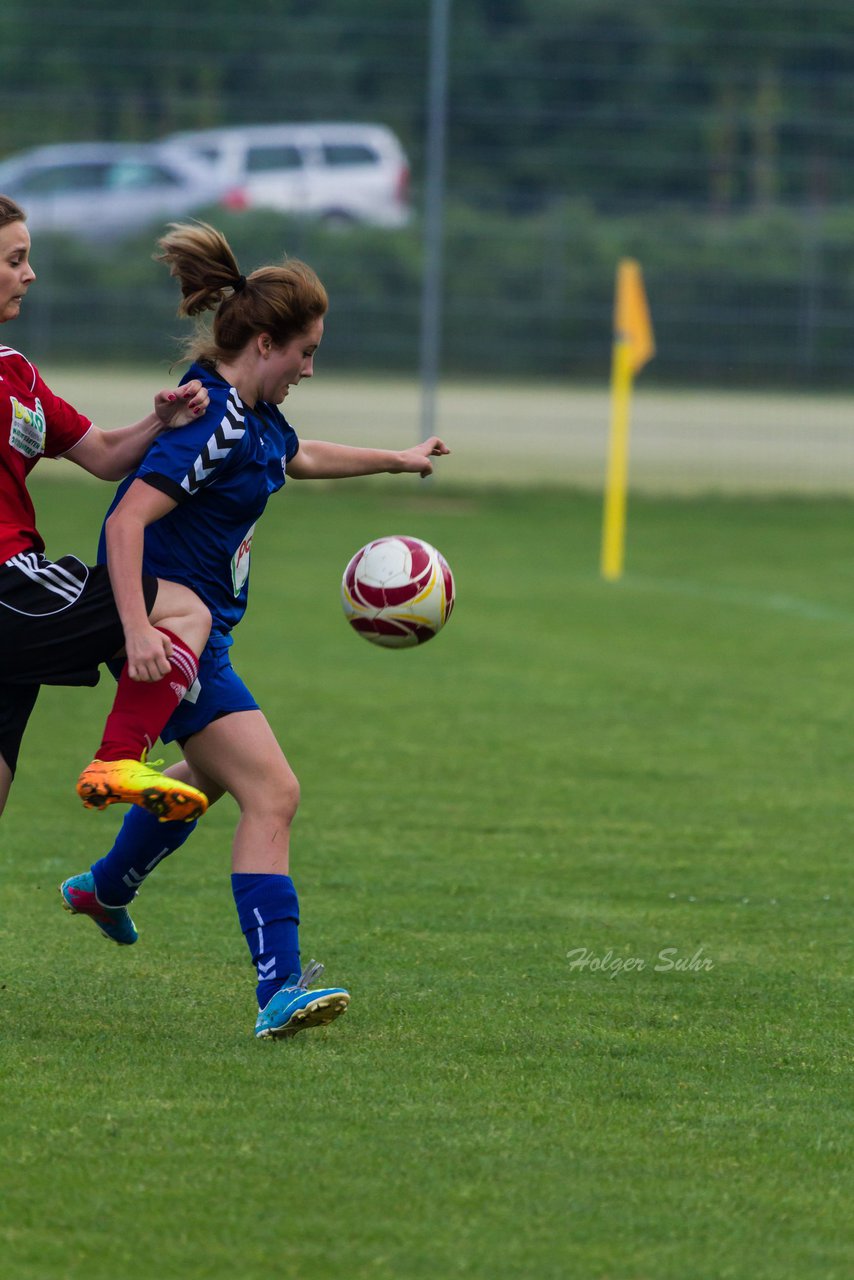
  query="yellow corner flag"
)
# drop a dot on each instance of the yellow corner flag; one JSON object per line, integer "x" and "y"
{"x": 634, "y": 345}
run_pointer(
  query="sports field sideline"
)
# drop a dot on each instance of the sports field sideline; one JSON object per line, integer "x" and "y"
{"x": 681, "y": 441}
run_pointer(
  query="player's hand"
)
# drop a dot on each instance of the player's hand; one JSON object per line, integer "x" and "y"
{"x": 417, "y": 459}
{"x": 148, "y": 652}
{"x": 176, "y": 406}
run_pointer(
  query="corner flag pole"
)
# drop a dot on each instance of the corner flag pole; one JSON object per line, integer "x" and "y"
{"x": 634, "y": 345}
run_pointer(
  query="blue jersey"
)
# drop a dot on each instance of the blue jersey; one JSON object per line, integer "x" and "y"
{"x": 220, "y": 470}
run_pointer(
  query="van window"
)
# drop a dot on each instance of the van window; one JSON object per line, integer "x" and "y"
{"x": 339, "y": 153}
{"x": 262, "y": 159}
{"x": 61, "y": 178}
{"x": 131, "y": 174}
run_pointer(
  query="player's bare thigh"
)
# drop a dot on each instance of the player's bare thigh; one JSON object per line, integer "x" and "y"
{"x": 180, "y": 610}
{"x": 239, "y": 753}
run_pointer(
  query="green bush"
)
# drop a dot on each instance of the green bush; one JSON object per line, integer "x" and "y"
{"x": 753, "y": 299}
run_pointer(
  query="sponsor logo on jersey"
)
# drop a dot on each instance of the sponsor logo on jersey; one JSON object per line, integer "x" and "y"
{"x": 240, "y": 562}
{"x": 28, "y": 429}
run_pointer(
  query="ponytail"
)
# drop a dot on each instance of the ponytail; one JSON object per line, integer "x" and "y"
{"x": 282, "y": 301}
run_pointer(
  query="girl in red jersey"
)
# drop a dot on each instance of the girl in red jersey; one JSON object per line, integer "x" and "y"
{"x": 58, "y": 618}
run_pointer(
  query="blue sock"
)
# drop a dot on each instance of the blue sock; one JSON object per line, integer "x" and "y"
{"x": 141, "y": 844}
{"x": 268, "y": 910}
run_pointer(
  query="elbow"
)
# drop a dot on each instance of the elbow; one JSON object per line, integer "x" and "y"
{"x": 110, "y": 528}
{"x": 115, "y": 526}
{"x": 112, "y": 462}
{"x": 102, "y": 461}
{"x": 112, "y": 466}
{"x": 113, "y": 470}
{"x": 106, "y": 468}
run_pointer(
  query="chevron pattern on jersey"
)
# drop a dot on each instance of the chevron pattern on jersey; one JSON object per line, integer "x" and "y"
{"x": 230, "y": 430}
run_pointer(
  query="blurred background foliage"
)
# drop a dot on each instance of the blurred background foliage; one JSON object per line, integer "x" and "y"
{"x": 711, "y": 139}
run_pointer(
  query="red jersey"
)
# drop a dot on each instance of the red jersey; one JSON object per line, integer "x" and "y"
{"x": 34, "y": 423}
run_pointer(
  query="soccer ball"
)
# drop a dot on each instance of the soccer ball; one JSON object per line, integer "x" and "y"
{"x": 397, "y": 592}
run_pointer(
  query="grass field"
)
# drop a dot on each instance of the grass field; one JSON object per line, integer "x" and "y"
{"x": 584, "y": 862}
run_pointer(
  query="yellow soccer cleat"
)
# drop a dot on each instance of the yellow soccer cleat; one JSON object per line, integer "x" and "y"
{"x": 105, "y": 782}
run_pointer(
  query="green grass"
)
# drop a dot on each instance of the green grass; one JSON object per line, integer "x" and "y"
{"x": 662, "y": 763}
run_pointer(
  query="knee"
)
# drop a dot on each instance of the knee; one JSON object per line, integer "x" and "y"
{"x": 282, "y": 796}
{"x": 290, "y": 796}
{"x": 268, "y": 793}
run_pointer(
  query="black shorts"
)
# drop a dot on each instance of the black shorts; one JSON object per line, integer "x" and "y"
{"x": 58, "y": 623}
{"x": 16, "y": 705}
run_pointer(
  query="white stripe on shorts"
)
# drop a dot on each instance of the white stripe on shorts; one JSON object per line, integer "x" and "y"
{"x": 50, "y": 576}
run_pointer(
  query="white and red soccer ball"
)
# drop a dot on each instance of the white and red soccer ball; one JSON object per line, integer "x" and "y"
{"x": 397, "y": 592}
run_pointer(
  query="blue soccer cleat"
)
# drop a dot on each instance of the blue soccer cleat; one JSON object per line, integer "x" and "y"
{"x": 79, "y": 897}
{"x": 294, "y": 1008}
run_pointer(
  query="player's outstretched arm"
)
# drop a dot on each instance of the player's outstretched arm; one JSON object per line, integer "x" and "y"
{"x": 323, "y": 460}
{"x": 110, "y": 455}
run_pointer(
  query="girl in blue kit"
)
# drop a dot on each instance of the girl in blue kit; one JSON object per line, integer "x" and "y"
{"x": 191, "y": 508}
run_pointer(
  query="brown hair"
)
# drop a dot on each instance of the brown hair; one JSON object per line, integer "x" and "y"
{"x": 10, "y": 212}
{"x": 282, "y": 301}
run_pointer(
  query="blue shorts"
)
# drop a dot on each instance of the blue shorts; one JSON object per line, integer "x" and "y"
{"x": 218, "y": 692}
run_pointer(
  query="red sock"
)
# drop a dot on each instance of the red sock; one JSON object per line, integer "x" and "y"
{"x": 140, "y": 710}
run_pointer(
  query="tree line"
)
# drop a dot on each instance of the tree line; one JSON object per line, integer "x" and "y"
{"x": 711, "y": 104}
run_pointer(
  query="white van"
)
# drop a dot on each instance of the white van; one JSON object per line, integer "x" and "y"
{"x": 341, "y": 173}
